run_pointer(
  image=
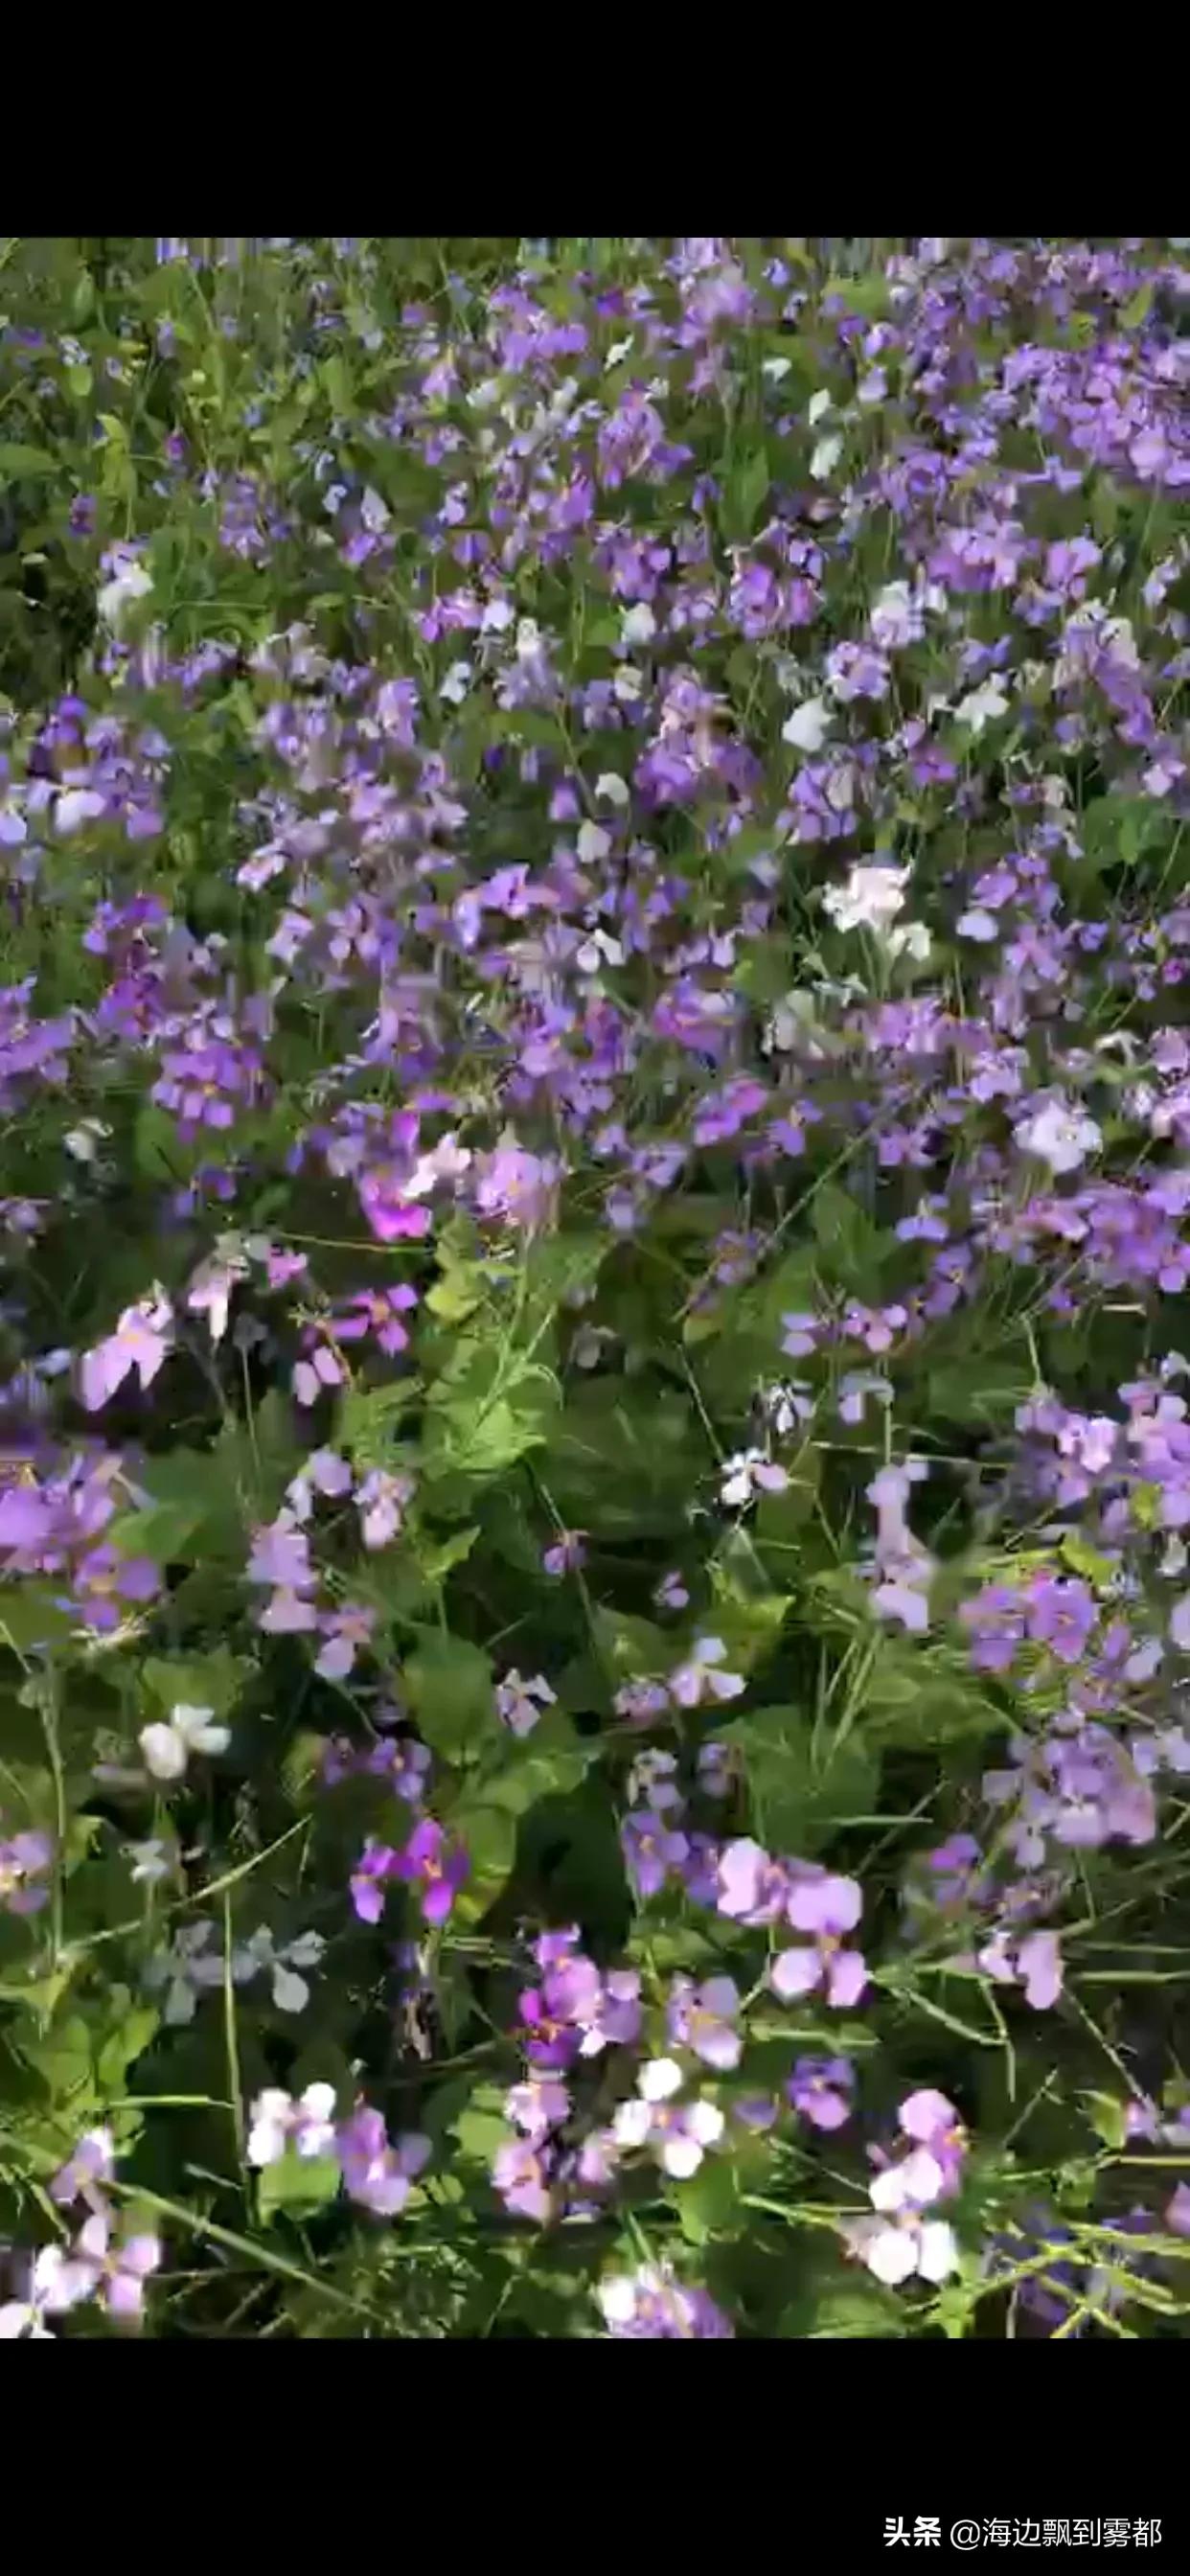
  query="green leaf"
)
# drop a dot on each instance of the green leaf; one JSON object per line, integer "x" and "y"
{"x": 748, "y": 488}
{"x": 449, "y": 1683}
{"x": 482, "y": 2126}
{"x": 298, "y": 2185}
{"x": 548, "y": 1763}
{"x": 856, "y": 2308}
{"x": 31, "y": 1618}
{"x": 633, "y": 1648}
{"x": 368, "y": 1420}
{"x": 211, "y": 1681}
{"x": 799, "y": 1800}
{"x": 851, "y": 1246}
{"x": 490, "y": 1835}
{"x": 17, "y": 460}
{"x": 708, "y": 2204}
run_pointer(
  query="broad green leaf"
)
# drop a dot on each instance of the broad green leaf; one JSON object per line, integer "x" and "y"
{"x": 449, "y": 1683}
{"x": 17, "y": 460}
{"x": 298, "y": 2185}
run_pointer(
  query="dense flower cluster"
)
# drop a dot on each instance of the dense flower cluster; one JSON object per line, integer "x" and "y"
{"x": 594, "y": 1462}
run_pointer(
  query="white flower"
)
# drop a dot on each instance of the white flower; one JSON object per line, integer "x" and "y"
{"x": 659, "y": 2079}
{"x": 911, "y": 939}
{"x": 895, "y": 2250}
{"x": 745, "y": 1472}
{"x": 690, "y": 1682}
{"x": 912, "y": 2184}
{"x": 982, "y": 706}
{"x": 593, "y": 843}
{"x": 74, "y": 807}
{"x": 819, "y": 404}
{"x": 900, "y": 2240}
{"x": 618, "y": 2296}
{"x": 456, "y": 684}
{"x": 1060, "y": 1136}
{"x": 497, "y": 617}
{"x": 446, "y": 1161}
{"x": 54, "y": 2284}
{"x": 628, "y": 685}
{"x": 776, "y": 369}
{"x": 613, "y": 789}
{"x": 85, "y": 1140}
{"x": 679, "y": 2136}
{"x": 277, "y": 2119}
{"x": 870, "y": 900}
{"x": 825, "y": 457}
{"x": 151, "y": 1861}
{"x": 897, "y": 616}
{"x": 638, "y": 625}
{"x": 291, "y": 1993}
{"x": 167, "y": 1749}
{"x": 187, "y": 1969}
{"x": 788, "y": 1404}
{"x": 808, "y": 726}
{"x": 619, "y": 349}
{"x": 520, "y": 1704}
{"x": 129, "y": 582}
{"x": 702, "y": 2127}
{"x": 599, "y": 949}
{"x": 374, "y": 513}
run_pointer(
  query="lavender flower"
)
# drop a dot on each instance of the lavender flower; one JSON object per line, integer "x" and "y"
{"x": 114, "y": 2271}
{"x": 25, "y": 1863}
{"x": 703, "y": 2018}
{"x": 652, "y": 2305}
{"x": 377, "y": 2175}
{"x": 821, "y": 2089}
{"x": 828, "y": 1908}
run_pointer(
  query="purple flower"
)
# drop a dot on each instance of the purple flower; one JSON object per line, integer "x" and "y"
{"x": 929, "y": 2120}
{"x": 650, "y": 1850}
{"x": 115, "y": 2273}
{"x": 25, "y": 1862}
{"x": 1034, "y": 1963}
{"x": 92, "y": 2163}
{"x": 821, "y": 2089}
{"x": 378, "y": 2175}
{"x": 652, "y": 2305}
{"x": 520, "y": 1703}
{"x": 103, "y": 1579}
{"x": 281, "y": 1556}
{"x": 537, "y": 2106}
{"x": 377, "y": 1311}
{"x": 690, "y": 1682}
{"x": 1177, "y": 2214}
{"x": 347, "y": 1632}
{"x": 1061, "y": 1615}
{"x": 828, "y": 1908}
{"x": 567, "y": 1554}
{"x": 520, "y": 2173}
{"x": 703, "y": 2018}
{"x": 141, "y": 1342}
{"x": 437, "y": 1865}
{"x": 752, "y": 1887}
{"x": 376, "y": 1865}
